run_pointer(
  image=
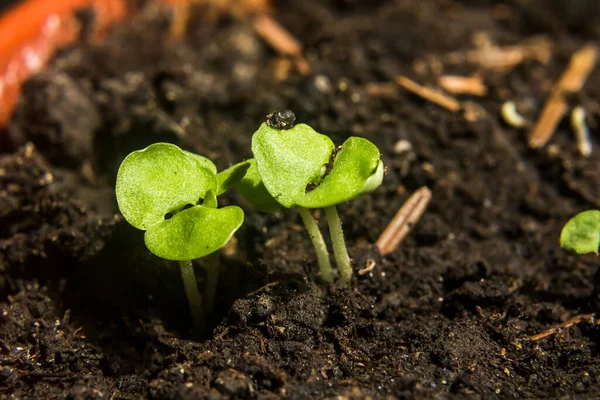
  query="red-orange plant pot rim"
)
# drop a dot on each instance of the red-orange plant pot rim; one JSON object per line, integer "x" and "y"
{"x": 32, "y": 30}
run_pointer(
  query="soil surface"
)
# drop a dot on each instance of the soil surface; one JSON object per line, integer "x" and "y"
{"x": 88, "y": 313}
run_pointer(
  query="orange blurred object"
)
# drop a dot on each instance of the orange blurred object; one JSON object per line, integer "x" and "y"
{"x": 31, "y": 31}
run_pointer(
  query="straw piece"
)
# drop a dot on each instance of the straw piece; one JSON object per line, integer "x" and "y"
{"x": 442, "y": 100}
{"x": 568, "y": 323}
{"x": 572, "y": 80}
{"x": 455, "y": 84}
{"x": 281, "y": 40}
{"x": 404, "y": 220}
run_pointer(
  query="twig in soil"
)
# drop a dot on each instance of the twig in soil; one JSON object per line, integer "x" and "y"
{"x": 568, "y": 323}
{"x": 281, "y": 40}
{"x": 222, "y": 334}
{"x": 442, "y": 100}
{"x": 77, "y": 331}
{"x": 266, "y": 288}
{"x": 404, "y": 220}
{"x": 262, "y": 22}
{"x": 582, "y": 133}
{"x": 503, "y": 59}
{"x": 370, "y": 265}
{"x": 180, "y": 15}
{"x": 472, "y": 85}
{"x": 572, "y": 80}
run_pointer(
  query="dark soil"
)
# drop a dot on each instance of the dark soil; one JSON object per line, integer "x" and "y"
{"x": 88, "y": 313}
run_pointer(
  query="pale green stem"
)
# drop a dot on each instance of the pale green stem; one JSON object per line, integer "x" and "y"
{"x": 318, "y": 243}
{"x": 339, "y": 245}
{"x": 212, "y": 281}
{"x": 192, "y": 293}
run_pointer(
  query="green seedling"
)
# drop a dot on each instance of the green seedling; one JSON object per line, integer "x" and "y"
{"x": 171, "y": 194}
{"x": 296, "y": 167}
{"x": 581, "y": 234}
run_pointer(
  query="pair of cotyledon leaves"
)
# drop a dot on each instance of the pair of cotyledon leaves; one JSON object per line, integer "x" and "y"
{"x": 582, "y": 233}
{"x": 287, "y": 162}
{"x": 165, "y": 180}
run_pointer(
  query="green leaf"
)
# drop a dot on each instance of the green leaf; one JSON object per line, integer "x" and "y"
{"x": 357, "y": 169}
{"x": 374, "y": 181}
{"x": 288, "y": 160}
{"x": 193, "y": 233}
{"x": 210, "y": 200}
{"x": 253, "y": 189}
{"x": 203, "y": 162}
{"x": 161, "y": 179}
{"x": 582, "y": 233}
{"x": 231, "y": 176}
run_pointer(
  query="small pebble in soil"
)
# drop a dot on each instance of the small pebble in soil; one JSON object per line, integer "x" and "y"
{"x": 281, "y": 119}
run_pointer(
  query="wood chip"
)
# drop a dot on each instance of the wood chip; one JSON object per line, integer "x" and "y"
{"x": 404, "y": 220}
{"x": 572, "y": 80}
{"x": 568, "y": 323}
{"x": 442, "y": 100}
{"x": 472, "y": 85}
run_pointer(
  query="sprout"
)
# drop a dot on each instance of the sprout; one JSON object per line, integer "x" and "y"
{"x": 171, "y": 194}
{"x": 298, "y": 167}
{"x": 581, "y": 234}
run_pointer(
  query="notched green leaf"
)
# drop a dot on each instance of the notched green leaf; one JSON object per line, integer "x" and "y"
{"x": 288, "y": 160}
{"x": 193, "y": 233}
{"x": 232, "y": 175}
{"x": 357, "y": 169}
{"x": 161, "y": 179}
{"x": 253, "y": 189}
{"x": 582, "y": 233}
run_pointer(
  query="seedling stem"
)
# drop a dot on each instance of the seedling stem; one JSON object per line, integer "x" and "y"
{"x": 192, "y": 293}
{"x": 339, "y": 245}
{"x": 319, "y": 245}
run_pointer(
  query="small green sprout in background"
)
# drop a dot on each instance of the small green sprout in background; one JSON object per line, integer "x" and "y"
{"x": 297, "y": 167}
{"x": 171, "y": 194}
{"x": 581, "y": 234}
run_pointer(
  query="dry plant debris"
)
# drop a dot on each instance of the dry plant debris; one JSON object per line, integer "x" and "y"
{"x": 281, "y": 40}
{"x": 259, "y": 11}
{"x": 442, "y": 100}
{"x": 503, "y": 59}
{"x": 572, "y": 80}
{"x": 472, "y": 85}
{"x": 405, "y": 219}
{"x": 568, "y": 323}
{"x": 368, "y": 268}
